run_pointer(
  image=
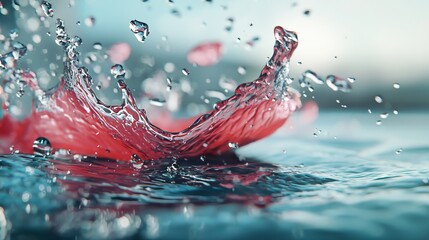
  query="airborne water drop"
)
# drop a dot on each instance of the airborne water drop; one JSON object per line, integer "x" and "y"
{"x": 117, "y": 71}
{"x": 140, "y": 30}
{"x": 338, "y": 84}
{"x": 47, "y": 8}
{"x": 42, "y": 147}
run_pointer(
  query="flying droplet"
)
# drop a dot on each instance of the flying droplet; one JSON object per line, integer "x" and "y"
{"x": 169, "y": 67}
{"x": 395, "y": 112}
{"x": 251, "y": 43}
{"x": 378, "y": 99}
{"x": 384, "y": 115}
{"x": 241, "y": 70}
{"x": 13, "y": 33}
{"x": 90, "y": 21}
{"x": 47, "y": 8}
{"x": 309, "y": 75}
{"x": 19, "y": 50}
{"x": 97, "y": 46}
{"x": 157, "y": 102}
{"x": 396, "y": 85}
{"x": 140, "y": 30}
{"x": 378, "y": 122}
{"x": 185, "y": 72}
{"x": 230, "y": 22}
{"x": 117, "y": 71}
{"x": 136, "y": 161}
{"x": 42, "y": 147}
{"x": 398, "y": 151}
{"x": 338, "y": 84}
{"x": 351, "y": 79}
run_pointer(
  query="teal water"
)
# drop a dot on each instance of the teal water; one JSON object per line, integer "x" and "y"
{"x": 354, "y": 180}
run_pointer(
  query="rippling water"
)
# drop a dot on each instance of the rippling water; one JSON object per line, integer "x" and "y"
{"x": 350, "y": 179}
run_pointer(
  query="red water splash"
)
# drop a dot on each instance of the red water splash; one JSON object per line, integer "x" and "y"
{"x": 76, "y": 120}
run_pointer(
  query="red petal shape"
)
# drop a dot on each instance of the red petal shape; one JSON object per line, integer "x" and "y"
{"x": 205, "y": 54}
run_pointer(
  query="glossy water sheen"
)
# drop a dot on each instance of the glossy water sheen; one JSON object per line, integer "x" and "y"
{"x": 358, "y": 181}
{"x": 73, "y": 112}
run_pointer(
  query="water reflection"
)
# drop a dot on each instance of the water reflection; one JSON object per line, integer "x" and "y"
{"x": 214, "y": 179}
{"x": 89, "y": 198}
{"x": 117, "y": 200}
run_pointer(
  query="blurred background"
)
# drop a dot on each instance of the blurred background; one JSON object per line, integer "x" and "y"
{"x": 382, "y": 44}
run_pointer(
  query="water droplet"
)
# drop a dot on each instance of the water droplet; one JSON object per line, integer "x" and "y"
{"x": 28, "y": 208}
{"x": 251, "y": 43}
{"x": 140, "y": 30}
{"x": 47, "y": 8}
{"x": 369, "y": 111}
{"x": 42, "y": 147}
{"x": 307, "y": 12}
{"x": 19, "y": 50}
{"x": 396, "y": 85}
{"x": 117, "y": 71}
{"x": 398, "y": 151}
{"x": 384, "y": 115}
{"x": 378, "y": 99}
{"x": 136, "y": 161}
{"x": 90, "y": 21}
{"x": 241, "y": 70}
{"x": 13, "y": 33}
{"x": 378, "y": 122}
{"x": 169, "y": 67}
{"x": 395, "y": 112}
{"x": 233, "y": 145}
{"x": 157, "y": 102}
{"x": 25, "y": 197}
{"x": 97, "y": 46}
{"x": 351, "y": 79}
{"x": 185, "y": 72}
{"x": 338, "y": 84}
{"x": 230, "y": 22}
{"x": 309, "y": 75}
